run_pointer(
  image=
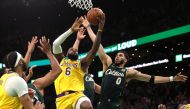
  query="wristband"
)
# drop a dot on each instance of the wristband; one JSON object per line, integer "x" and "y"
{"x": 171, "y": 78}
{"x": 100, "y": 30}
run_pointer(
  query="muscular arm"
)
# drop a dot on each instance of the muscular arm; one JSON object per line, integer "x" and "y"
{"x": 85, "y": 62}
{"x": 26, "y": 102}
{"x": 105, "y": 59}
{"x": 31, "y": 47}
{"x": 48, "y": 79}
{"x": 134, "y": 74}
{"x": 57, "y": 49}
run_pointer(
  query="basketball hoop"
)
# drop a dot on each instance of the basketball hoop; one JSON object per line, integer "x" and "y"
{"x": 82, "y": 4}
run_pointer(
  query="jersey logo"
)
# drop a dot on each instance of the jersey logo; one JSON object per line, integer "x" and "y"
{"x": 88, "y": 79}
{"x": 75, "y": 65}
{"x": 114, "y": 73}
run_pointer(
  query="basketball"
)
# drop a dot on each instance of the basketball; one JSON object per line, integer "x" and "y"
{"x": 93, "y": 14}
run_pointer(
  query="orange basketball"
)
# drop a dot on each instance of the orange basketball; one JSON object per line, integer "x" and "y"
{"x": 93, "y": 14}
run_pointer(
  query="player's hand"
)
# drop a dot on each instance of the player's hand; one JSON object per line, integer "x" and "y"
{"x": 30, "y": 73}
{"x": 180, "y": 77}
{"x": 76, "y": 25}
{"x": 45, "y": 45}
{"x": 32, "y": 44}
{"x": 80, "y": 34}
{"x": 39, "y": 105}
{"x": 101, "y": 21}
{"x": 86, "y": 23}
{"x": 31, "y": 92}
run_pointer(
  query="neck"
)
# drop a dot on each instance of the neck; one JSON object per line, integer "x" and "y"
{"x": 19, "y": 71}
{"x": 121, "y": 66}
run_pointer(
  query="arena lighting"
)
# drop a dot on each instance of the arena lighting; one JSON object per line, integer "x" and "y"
{"x": 147, "y": 39}
{"x": 180, "y": 57}
{"x": 150, "y": 63}
{"x": 1, "y": 65}
{"x": 100, "y": 73}
{"x": 132, "y": 43}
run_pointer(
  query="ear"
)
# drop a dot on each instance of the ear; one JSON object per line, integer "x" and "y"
{"x": 20, "y": 62}
{"x": 125, "y": 60}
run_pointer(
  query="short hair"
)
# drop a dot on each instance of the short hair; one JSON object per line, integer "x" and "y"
{"x": 125, "y": 54}
{"x": 10, "y": 60}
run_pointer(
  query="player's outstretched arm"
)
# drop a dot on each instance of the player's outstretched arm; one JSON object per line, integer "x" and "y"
{"x": 85, "y": 62}
{"x": 80, "y": 36}
{"x": 105, "y": 59}
{"x": 31, "y": 47}
{"x": 57, "y": 49}
{"x": 49, "y": 78}
{"x": 134, "y": 74}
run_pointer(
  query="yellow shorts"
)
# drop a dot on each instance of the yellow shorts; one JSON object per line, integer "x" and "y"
{"x": 68, "y": 101}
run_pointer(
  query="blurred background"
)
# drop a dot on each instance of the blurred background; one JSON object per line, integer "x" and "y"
{"x": 126, "y": 21}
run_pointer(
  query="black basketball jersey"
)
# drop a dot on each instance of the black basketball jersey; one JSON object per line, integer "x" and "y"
{"x": 112, "y": 86}
{"x": 89, "y": 86}
{"x": 37, "y": 96}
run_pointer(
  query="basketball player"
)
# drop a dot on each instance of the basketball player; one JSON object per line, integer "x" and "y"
{"x": 40, "y": 83}
{"x": 13, "y": 88}
{"x": 90, "y": 86}
{"x": 115, "y": 75}
{"x": 70, "y": 84}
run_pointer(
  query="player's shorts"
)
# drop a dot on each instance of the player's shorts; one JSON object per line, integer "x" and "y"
{"x": 71, "y": 101}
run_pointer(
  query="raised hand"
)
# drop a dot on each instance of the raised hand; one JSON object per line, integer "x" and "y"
{"x": 86, "y": 23}
{"x": 101, "y": 21}
{"x": 80, "y": 34}
{"x": 30, "y": 73}
{"x": 76, "y": 25}
{"x": 180, "y": 77}
{"x": 32, "y": 44}
{"x": 45, "y": 45}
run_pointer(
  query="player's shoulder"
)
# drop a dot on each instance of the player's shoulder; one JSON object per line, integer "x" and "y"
{"x": 16, "y": 80}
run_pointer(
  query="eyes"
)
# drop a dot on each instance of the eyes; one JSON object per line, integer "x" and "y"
{"x": 120, "y": 55}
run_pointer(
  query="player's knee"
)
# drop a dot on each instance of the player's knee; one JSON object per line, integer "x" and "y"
{"x": 86, "y": 105}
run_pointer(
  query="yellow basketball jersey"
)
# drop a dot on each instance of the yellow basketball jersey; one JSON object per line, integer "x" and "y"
{"x": 71, "y": 77}
{"x": 6, "y": 101}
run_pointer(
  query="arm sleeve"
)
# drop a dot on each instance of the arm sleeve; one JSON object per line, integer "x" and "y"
{"x": 57, "y": 43}
{"x": 16, "y": 86}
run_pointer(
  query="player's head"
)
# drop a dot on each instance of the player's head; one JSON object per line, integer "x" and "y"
{"x": 14, "y": 61}
{"x": 121, "y": 58}
{"x": 72, "y": 54}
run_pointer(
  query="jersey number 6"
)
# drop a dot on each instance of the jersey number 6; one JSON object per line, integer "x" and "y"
{"x": 67, "y": 71}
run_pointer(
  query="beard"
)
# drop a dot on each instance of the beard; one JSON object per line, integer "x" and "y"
{"x": 24, "y": 67}
{"x": 120, "y": 63}
{"x": 73, "y": 57}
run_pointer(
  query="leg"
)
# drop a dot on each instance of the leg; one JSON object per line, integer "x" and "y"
{"x": 83, "y": 103}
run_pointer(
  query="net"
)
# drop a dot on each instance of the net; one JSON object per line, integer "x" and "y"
{"x": 81, "y": 4}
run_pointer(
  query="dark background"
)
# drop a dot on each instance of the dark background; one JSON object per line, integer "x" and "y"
{"x": 125, "y": 20}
